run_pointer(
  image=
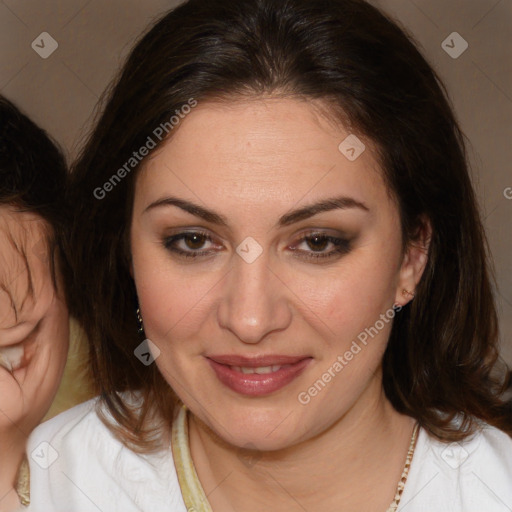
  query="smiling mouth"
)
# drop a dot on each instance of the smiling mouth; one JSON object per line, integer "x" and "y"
{"x": 260, "y": 370}
{"x": 11, "y": 358}
{"x": 258, "y": 376}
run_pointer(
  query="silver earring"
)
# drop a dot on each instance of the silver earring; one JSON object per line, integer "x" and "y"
{"x": 139, "y": 321}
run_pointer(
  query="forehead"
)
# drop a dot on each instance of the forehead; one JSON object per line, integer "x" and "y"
{"x": 271, "y": 151}
{"x": 26, "y": 285}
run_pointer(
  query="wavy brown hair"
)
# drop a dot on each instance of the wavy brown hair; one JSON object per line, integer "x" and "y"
{"x": 33, "y": 176}
{"x": 441, "y": 360}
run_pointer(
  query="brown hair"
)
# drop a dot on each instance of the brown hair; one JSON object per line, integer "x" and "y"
{"x": 442, "y": 350}
{"x": 33, "y": 175}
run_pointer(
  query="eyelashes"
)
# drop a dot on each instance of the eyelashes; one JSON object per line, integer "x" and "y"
{"x": 199, "y": 244}
{"x": 317, "y": 242}
{"x": 186, "y": 239}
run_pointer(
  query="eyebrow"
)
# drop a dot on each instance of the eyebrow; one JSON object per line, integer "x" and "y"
{"x": 335, "y": 203}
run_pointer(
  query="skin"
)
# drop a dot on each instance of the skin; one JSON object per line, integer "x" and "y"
{"x": 253, "y": 161}
{"x": 38, "y": 324}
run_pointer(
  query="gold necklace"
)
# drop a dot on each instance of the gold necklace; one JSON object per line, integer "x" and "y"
{"x": 192, "y": 490}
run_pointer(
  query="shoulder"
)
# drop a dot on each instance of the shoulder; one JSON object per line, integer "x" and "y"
{"x": 467, "y": 476}
{"x": 76, "y": 463}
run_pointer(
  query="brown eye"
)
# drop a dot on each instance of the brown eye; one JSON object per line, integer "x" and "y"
{"x": 317, "y": 242}
{"x": 194, "y": 240}
{"x": 191, "y": 244}
{"x": 317, "y": 246}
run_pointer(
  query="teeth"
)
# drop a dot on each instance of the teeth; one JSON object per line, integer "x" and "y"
{"x": 5, "y": 363}
{"x": 10, "y": 357}
{"x": 260, "y": 370}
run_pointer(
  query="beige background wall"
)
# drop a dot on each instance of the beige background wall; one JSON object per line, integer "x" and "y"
{"x": 93, "y": 36}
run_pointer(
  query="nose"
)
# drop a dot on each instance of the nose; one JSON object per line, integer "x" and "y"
{"x": 255, "y": 301}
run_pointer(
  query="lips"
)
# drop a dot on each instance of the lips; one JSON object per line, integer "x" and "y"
{"x": 253, "y": 362}
{"x": 257, "y": 376}
{"x": 11, "y": 358}
{"x": 17, "y": 356}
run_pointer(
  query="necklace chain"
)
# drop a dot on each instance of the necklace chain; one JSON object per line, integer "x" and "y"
{"x": 192, "y": 491}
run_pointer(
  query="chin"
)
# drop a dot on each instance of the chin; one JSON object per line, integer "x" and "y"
{"x": 267, "y": 429}
{"x": 260, "y": 441}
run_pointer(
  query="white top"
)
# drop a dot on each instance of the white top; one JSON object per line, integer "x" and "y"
{"x": 77, "y": 465}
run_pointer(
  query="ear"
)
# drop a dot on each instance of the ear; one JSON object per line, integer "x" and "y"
{"x": 413, "y": 263}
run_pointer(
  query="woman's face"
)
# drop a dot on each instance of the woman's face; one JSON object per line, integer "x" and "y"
{"x": 34, "y": 330}
{"x": 267, "y": 264}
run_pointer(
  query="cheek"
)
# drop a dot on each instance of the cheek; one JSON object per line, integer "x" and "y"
{"x": 351, "y": 297}
{"x": 337, "y": 302}
{"x": 55, "y": 338}
{"x": 44, "y": 374}
{"x": 61, "y": 330}
{"x": 173, "y": 300}
{"x": 171, "y": 310}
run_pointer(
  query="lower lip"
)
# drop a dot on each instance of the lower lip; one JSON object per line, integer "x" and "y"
{"x": 253, "y": 384}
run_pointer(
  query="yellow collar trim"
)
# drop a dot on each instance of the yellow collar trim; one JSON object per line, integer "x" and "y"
{"x": 23, "y": 483}
{"x": 192, "y": 490}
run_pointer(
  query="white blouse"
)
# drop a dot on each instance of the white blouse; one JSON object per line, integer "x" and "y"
{"x": 76, "y": 465}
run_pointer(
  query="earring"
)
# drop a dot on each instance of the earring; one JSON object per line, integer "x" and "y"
{"x": 139, "y": 321}
{"x": 407, "y": 292}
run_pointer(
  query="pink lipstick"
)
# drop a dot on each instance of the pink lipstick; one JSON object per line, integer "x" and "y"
{"x": 257, "y": 376}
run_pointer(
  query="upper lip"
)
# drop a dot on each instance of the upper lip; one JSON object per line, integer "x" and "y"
{"x": 255, "y": 362}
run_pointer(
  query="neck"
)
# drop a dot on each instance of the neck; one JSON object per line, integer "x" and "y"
{"x": 357, "y": 461}
{"x": 12, "y": 448}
